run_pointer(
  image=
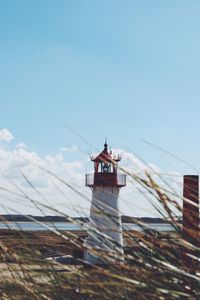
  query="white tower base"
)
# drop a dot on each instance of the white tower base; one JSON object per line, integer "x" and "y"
{"x": 104, "y": 244}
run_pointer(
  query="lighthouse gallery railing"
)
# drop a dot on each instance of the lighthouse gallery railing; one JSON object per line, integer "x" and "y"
{"x": 105, "y": 179}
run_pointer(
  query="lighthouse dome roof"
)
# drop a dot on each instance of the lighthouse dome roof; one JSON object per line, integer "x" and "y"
{"x": 106, "y": 156}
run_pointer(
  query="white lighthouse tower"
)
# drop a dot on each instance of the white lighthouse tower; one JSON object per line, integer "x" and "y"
{"x": 105, "y": 242}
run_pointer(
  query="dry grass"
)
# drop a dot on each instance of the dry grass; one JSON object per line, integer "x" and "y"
{"x": 153, "y": 266}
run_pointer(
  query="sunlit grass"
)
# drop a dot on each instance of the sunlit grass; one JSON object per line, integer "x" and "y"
{"x": 153, "y": 266}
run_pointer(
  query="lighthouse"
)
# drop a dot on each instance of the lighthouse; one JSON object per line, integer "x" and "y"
{"x": 104, "y": 244}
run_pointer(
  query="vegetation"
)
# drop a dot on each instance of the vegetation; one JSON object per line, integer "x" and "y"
{"x": 155, "y": 266}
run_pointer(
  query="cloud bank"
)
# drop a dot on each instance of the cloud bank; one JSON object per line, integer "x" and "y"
{"x": 32, "y": 184}
{"x": 6, "y": 135}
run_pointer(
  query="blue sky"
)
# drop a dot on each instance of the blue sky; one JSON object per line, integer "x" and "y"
{"x": 128, "y": 70}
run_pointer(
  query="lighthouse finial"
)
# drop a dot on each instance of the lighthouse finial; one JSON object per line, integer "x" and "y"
{"x": 106, "y": 145}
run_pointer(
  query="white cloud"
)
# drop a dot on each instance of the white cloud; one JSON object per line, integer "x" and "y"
{"x": 134, "y": 165}
{"x": 6, "y": 135}
{"x": 21, "y": 146}
{"x": 69, "y": 149}
{"x": 16, "y": 162}
{"x": 57, "y": 187}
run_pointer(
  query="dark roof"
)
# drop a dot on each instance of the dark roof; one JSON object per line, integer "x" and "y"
{"x": 105, "y": 156}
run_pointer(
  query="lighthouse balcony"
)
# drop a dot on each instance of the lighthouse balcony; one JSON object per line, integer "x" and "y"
{"x": 105, "y": 179}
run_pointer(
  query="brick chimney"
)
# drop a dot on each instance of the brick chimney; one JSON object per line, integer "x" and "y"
{"x": 190, "y": 216}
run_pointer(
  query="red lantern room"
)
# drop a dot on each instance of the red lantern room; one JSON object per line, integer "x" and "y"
{"x": 105, "y": 170}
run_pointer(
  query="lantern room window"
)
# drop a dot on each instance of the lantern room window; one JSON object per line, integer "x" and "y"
{"x": 106, "y": 168}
